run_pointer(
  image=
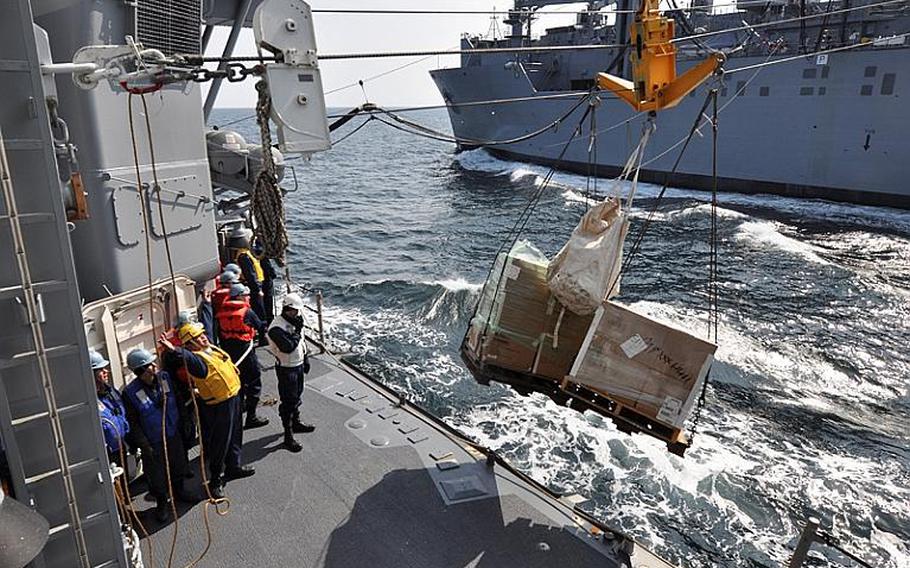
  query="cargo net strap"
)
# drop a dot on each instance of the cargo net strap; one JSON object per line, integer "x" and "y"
{"x": 267, "y": 203}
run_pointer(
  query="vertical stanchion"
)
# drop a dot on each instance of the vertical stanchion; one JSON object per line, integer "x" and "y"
{"x": 319, "y": 319}
{"x": 806, "y": 538}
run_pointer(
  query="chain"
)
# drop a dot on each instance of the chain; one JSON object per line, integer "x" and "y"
{"x": 267, "y": 204}
{"x": 234, "y": 72}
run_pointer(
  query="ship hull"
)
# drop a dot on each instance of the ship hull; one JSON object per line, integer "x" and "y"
{"x": 833, "y": 128}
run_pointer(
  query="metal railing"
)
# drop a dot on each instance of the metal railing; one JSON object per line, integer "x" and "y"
{"x": 812, "y": 533}
{"x": 319, "y": 330}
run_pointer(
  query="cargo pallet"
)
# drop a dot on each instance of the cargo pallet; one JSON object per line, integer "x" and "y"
{"x": 580, "y": 398}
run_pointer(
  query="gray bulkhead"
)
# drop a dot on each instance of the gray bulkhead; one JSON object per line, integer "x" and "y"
{"x": 109, "y": 248}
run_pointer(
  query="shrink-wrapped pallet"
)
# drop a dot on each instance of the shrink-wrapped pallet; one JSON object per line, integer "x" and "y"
{"x": 519, "y": 325}
{"x": 586, "y": 271}
{"x": 649, "y": 366}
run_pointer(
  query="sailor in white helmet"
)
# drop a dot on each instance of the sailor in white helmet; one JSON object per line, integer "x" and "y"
{"x": 289, "y": 347}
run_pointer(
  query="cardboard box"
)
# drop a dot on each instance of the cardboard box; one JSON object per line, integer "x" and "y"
{"x": 644, "y": 364}
{"x": 519, "y": 325}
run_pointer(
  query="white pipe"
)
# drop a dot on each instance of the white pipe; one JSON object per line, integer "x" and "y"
{"x": 66, "y": 68}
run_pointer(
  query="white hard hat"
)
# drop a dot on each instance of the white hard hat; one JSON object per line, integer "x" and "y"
{"x": 292, "y": 301}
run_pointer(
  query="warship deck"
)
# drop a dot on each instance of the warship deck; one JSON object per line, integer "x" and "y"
{"x": 378, "y": 484}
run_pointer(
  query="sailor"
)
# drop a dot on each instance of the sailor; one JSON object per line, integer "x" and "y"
{"x": 155, "y": 414}
{"x": 217, "y": 383}
{"x": 268, "y": 283}
{"x": 114, "y": 424}
{"x": 238, "y": 325}
{"x": 289, "y": 348}
{"x": 227, "y": 279}
{"x": 251, "y": 271}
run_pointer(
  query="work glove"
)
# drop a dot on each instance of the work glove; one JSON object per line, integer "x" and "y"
{"x": 306, "y": 364}
{"x": 297, "y": 323}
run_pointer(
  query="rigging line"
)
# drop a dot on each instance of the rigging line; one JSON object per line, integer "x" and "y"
{"x": 607, "y": 129}
{"x": 636, "y": 245}
{"x": 528, "y": 13}
{"x": 762, "y": 25}
{"x": 170, "y": 265}
{"x": 469, "y": 141}
{"x": 195, "y": 58}
{"x": 353, "y": 132}
{"x": 735, "y": 95}
{"x": 803, "y": 56}
{"x": 522, "y": 220}
{"x": 488, "y": 102}
{"x": 380, "y": 75}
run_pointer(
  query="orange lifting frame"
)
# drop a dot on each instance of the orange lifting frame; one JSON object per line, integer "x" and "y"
{"x": 654, "y": 84}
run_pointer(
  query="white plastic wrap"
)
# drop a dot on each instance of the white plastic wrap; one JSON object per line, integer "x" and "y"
{"x": 587, "y": 268}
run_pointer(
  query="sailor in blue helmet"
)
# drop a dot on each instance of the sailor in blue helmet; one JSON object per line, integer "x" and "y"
{"x": 155, "y": 414}
{"x": 114, "y": 424}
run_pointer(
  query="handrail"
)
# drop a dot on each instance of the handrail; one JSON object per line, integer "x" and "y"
{"x": 811, "y": 534}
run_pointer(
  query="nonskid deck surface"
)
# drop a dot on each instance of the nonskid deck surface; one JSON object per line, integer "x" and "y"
{"x": 367, "y": 491}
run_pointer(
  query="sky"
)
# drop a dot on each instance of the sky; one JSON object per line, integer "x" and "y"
{"x": 337, "y": 33}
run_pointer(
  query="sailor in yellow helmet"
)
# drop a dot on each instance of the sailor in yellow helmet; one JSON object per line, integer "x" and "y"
{"x": 216, "y": 382}
{"x": 239, "y": 241}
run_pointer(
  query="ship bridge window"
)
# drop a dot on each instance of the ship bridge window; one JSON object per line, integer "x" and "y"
{"x": 740, "y": 88}
{"x": 866, "y": 90}
{"x": 870, "y": 71}
{"x": 806, "y": 91}
{"x": 764, "y": 91}
{"x": 822, "y": 91}
{"x": 581, "y": 84}
{"x": 888, "y": 84}
{"x": 809, "y": 73}
{"x": 825, "y": 70}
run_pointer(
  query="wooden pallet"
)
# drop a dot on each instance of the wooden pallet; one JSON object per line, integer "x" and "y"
{"x": 626, "y": 418}
{"x": 580, "y": 398}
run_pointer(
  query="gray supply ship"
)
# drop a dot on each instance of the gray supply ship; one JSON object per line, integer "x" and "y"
{"x": 810, "y": 100}
{"x": 114, "y": 205}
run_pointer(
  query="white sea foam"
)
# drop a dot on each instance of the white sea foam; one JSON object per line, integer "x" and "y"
{"x": 767, "y": 233}
{"x": 457, "y": 284}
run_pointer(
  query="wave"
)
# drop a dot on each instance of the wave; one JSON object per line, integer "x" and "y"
{"x": 767, "y": 233}
{"x": 861, "y": 215}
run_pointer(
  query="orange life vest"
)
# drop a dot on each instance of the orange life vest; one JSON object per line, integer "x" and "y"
{"x": 230, "y": 321}
{"x": 219, "y": 296}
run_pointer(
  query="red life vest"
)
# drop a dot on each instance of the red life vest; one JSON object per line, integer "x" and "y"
{"x": 219, "y": 296}
{"x": 230, "y": 321}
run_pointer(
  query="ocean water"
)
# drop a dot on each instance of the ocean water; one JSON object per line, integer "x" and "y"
{"x": 807, "y": 409}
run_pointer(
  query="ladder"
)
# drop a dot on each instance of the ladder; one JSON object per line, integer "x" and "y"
{"x": 49, "y": 425}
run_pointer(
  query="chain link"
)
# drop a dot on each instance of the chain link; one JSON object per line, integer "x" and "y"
{"x": 234, "y": 72}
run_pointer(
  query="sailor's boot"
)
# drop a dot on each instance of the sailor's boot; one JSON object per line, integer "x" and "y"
{"x": 290, "y": 443}
{"x": 163, "y": 510}
{"x": 299, "y": 427}
{"x": 253, "y": 420}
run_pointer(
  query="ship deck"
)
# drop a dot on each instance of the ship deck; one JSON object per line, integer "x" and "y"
{"x": 380, "y": 485}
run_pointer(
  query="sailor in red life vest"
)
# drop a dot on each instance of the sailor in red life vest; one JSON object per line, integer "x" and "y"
{"x": 223, "y": 292}
{"x": 288, "y": 345}
{"x": 238, "y": 325}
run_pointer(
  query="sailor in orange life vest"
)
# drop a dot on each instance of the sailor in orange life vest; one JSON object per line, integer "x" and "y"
{"x": 217, "y": 383}
{"x": 151, "y": 398}
{"x": 223, "y": 292}
{"x": 250, "y": 270}
{"x": 287, "y": 344}
{"x": 238, "y": 325}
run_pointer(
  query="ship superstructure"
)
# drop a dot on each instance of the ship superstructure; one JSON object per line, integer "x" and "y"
{"x": 810, "y": 97}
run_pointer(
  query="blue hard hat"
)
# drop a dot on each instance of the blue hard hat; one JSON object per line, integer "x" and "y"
{"x": 238, "y": 290}
{"x": 138, "y": 358}
{"x": 231, "y": 267}
{"x": 228, "y": 277}
{"x": 183, "y": 317}
{"x": 97, "y": 360}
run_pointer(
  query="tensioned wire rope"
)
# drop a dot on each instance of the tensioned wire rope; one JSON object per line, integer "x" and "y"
{"x": 533, "y": 13}
{"x": 196, "y": 58}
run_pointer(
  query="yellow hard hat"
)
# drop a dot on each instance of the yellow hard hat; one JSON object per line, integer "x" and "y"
{"x": 190, "y": 331}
